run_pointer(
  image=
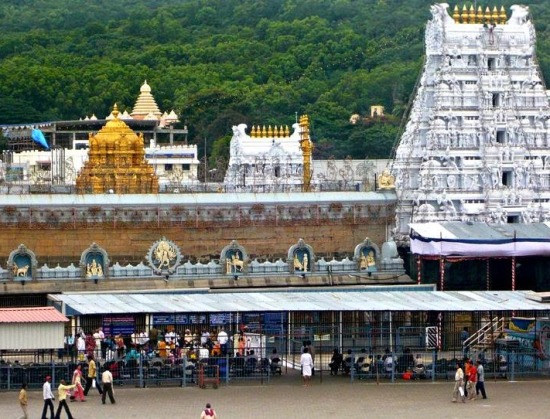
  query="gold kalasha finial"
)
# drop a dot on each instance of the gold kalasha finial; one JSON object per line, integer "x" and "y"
{"x": 480, "y": 18}
{"x": 456, "y": 14}
{"x": 264, "y": 132}
{"x": 287, "y": 131}
{"x": 494, "y": 16}
{"x": 253, "y": 131}
{"x": 487, "y": 16}
{"x": 472, "y": 15}
{"x": 464, "y": 14}
{"x": 502, "y": 16}
{"x": 270, "y": 132}
{"x": 115, "y": 111}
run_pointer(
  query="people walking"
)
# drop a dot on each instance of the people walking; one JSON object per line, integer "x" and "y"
{"x": 208, "y": 412}
{"x": 91, "y": 376}
{"x": 480, "y": 386}
{"x": 459, "y": 382}
{"x": 62, "y": 392}
{"x": 307, "y": 367}
{"x": 24, "y": 401}
{"x": 48, "y": 398}
{"x": 78, "y": 393}
{"x": 472, "y": 382}
{"x": 107, "y": 381}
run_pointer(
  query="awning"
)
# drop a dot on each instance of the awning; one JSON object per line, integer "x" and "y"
{"x": 480, "y": 239}
{"x": 367, "y": 298}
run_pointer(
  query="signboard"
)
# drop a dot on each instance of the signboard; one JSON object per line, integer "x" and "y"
{"x": 197, "y": 319}
{"x": 220, "y": 319}
{"x": 170, "y": 319}
{"x": 119, "y": 325}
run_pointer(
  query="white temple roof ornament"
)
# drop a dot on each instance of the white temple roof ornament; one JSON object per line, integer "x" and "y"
{"x": 146, "y": 104}
{"x": 476, "y": 146}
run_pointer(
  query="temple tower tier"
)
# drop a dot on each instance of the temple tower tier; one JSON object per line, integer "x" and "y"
{"x": 476, "y": 144}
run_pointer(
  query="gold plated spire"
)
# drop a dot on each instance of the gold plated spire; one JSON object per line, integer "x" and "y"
{"x": 456, "y": 14}
{"x": 464, "y": 14}
{"x": 116, "y": 162}
{"x": 306, "y": 145}
{"x": 495, "y": 15}
{"x": 479, "y": 16}
{"x": 470, "y": 15}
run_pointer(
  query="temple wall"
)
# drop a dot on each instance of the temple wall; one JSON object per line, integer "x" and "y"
{"x": 130, "y": 244}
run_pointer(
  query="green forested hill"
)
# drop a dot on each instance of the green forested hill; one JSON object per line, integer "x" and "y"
{"x": 222, "y": 62}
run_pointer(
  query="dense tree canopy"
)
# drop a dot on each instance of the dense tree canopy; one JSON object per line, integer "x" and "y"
{"x": 218, "y": 63}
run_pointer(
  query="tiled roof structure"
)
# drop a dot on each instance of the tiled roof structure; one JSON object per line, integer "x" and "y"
{"x": 31, "y": 315}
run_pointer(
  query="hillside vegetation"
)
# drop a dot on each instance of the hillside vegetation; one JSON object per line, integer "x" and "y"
{"x": 218, "y": 63}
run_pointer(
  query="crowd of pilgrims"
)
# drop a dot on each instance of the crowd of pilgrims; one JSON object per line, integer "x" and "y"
{"x": 166, "y": 344}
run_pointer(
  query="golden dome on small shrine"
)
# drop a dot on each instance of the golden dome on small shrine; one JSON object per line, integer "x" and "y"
{"x": 116, "y": 162}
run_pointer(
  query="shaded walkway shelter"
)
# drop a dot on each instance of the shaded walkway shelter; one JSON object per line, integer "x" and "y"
{"x": 481, "y": 255}
{"x": 374, "y": 317}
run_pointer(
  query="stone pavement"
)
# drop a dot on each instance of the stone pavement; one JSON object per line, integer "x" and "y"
{"x": 285, "y": 397}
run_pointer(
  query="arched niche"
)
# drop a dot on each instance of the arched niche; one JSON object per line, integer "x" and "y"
{"x": 301, "y": 258}
{"x": 94, "y": 263}
{"x": 234, "y": 259}
{"x": 367, "y": 256}
{"x": 164, "y": 257}
{"x": 21, "y": 264}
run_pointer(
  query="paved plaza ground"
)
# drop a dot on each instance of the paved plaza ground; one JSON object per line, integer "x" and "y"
{"x": 285, "y": 397}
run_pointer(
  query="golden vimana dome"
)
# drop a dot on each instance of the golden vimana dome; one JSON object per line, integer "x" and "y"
{"x": 116, "y": 162}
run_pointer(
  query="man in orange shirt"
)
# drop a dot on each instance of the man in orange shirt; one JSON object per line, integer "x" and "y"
{"x": 467, "y": 365}
{"x": 472, "y": 380}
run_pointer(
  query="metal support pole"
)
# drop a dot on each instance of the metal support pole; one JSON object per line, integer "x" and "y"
{"x": 442, "y": 274}
{"x": 488, "y": 275}
{"x": 513, "y": 273}
{"x": 418, "y": 270}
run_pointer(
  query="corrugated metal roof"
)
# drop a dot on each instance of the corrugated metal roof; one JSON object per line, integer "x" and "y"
{"x": 362, "y": 299}
{"x": 31, "y": 315}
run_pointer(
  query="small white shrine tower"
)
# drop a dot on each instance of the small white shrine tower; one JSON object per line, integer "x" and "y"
{"x": 269, "y": 159}
{"x": 476, "y": 147}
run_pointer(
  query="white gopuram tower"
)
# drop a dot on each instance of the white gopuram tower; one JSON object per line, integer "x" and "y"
{"x": 476, "y": 147}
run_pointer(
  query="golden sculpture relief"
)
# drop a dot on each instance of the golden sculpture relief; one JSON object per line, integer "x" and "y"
{"x": 94, "y": 269}
{"x": 20, "y": 271}
{"x": 367, "y": 261}
{"x": 235, "y": 264}
{"x": 386, "y": 180}
{"x": 164, "y": 254}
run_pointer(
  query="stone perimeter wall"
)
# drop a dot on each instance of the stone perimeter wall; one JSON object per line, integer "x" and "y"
{"x": 60, "y": 235}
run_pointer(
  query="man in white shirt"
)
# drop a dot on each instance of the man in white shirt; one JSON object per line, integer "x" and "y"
{"x": 306, "y": 361}
{"x": 204, "y": 353}
{"x": 81, "y": 347}
{"x": 107, "y": 381}
{"x": 222, "y": 339}
{"x": 48, "y": 398}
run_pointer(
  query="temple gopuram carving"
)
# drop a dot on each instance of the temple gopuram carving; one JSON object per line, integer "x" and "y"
{"x": 116, "y": 162}
{"x": 476, "y": 145}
